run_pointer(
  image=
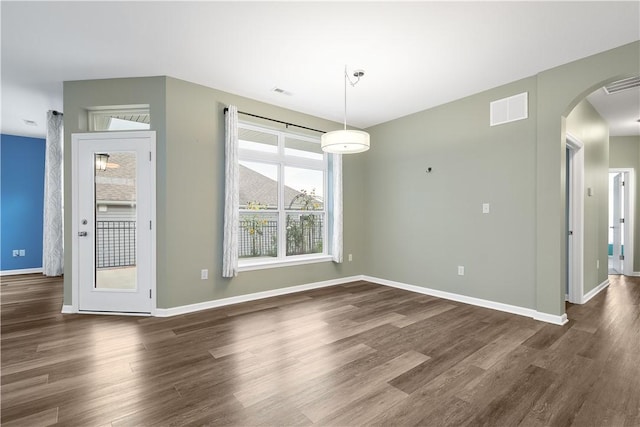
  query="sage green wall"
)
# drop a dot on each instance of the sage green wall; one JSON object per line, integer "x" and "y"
{"x": 423, "y": 225}
{"x": 80, "y": 95}
{"x": 195, "y": 200}
{"x": 515, "y": 254}
{"x": 589, "y": 127}
{"x": 559, "y": 90}
{"x": 189, "y": 122}
{"x": 624, "y": 152}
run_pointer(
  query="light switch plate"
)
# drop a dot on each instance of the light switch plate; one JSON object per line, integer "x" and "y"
{"x": 485, "y": 208}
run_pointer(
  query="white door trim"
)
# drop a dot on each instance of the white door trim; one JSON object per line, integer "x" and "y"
{"x": 75, "y": 220}
{"x": 628, "y": 215}
{"x": 576, "y": 213}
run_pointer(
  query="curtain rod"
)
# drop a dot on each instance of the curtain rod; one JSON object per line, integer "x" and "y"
{"x": 55, "y": 113}
{"x": 277, "y": 121}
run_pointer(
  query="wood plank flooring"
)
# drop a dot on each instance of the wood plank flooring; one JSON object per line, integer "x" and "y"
{"x": 349, "y": 355}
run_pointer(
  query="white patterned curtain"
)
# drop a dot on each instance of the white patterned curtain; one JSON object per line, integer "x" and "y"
{"x": 336, "y": 175}
{"x": 231, "y": 194}
{"x": 52, "y": 238}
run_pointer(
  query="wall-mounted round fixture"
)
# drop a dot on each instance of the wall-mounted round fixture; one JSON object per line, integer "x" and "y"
{"x": 101, "y": 161}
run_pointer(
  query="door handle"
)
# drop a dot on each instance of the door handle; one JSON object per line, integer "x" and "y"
{"x": 82, "y": 233}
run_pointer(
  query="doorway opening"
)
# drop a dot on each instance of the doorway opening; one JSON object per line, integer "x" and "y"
{"x": 620, "y": 240}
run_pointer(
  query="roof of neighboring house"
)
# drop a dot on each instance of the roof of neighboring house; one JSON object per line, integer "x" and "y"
{"x": 263, "y": 190}
{"x": 118, "y": 182}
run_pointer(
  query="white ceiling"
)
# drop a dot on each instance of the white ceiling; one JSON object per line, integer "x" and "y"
{"x": 621, "y": 110}
{"x": 416, "y": 55}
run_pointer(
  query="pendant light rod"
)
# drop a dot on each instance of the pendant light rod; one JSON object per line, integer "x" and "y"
{"x": 346, "y": 141}
{"x": 346, "y": 77}
{"x": 357, "y": 74}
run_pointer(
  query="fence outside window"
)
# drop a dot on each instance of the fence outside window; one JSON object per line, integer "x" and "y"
{"x": 258, "y": 236}
{"x": 115, "y": 244}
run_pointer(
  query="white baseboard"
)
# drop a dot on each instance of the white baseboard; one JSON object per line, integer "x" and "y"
{"x": 595, "y": 291}
{"x": 184, "y": 309}
{"x": 21, "y": 271}
{"x": 514, "y": 309}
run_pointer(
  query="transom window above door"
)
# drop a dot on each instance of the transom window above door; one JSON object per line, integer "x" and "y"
{"x": 119, "y": 118}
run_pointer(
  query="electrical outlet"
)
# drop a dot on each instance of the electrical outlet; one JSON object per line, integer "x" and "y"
{"x": 16, "y": 252}
{"x": 204, "y": 274}
{"x": 350, "y": 257}
{"x": 460, "y": 270}
{"x": 23, "y": 252}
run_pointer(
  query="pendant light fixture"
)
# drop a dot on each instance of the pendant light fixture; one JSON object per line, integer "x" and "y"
{"x": 346, "y": 141}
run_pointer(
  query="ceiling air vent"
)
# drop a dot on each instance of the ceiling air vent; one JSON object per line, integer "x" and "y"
{"x": 281, "y": 91}
{"x": 621, "y": 85}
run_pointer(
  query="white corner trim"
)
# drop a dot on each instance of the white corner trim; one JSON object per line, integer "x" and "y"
{"x": 21, "y": 271}
{"x": 508, "y": 308}
{"x": 551, "y": 318}
{"x": 595, "y": 291}
{"x": 190, "y": 308}
{"x": 68, "y": 309}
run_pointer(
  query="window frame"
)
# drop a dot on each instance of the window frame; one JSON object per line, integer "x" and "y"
{"x": 281, "y": 160}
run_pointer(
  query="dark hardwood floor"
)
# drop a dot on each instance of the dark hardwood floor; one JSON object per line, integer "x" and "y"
{"x": 356, "y": 354}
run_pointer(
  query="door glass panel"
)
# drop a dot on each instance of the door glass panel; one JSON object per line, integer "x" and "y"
{"x": 115, "y": 220}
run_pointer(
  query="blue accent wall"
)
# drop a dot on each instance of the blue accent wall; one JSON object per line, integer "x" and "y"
{"x": 21, "y": 201}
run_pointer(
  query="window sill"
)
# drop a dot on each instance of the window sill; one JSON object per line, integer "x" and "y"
{"x": 249, "y": 265}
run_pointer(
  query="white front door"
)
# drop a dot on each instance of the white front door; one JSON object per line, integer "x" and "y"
{"x": 113, "y": 215}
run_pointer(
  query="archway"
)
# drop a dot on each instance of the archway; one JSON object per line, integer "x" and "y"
{"x": 559, "y": 91}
